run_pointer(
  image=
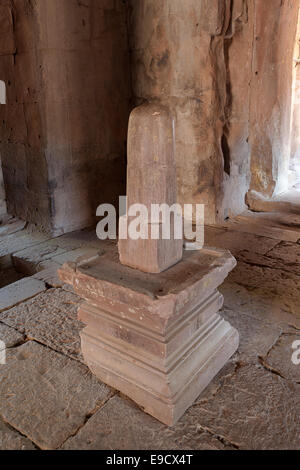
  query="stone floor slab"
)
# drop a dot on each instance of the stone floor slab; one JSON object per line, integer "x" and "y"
{"x": 10, "y": 336}
{"x": 236, "y": 242}
{"x": 20, "y": 291}
{"x": 79, "y": 255}
{"x": 286, "y": 253}
{"x": 274, "y": 259}
{"x": 280, "y": 357}
{"x": 19, "y": 241}
{"x": 46, "y": 396}
{"x": 121, "y": 425}
{"x": 281, "y": 288}
{"x": 261, "y": 304}
{"x": 12, "y": 440}
{"x": 269, "y": 225}
{"x": 28, "y": 260}
{"x": 58, "y": 250}
{"x": 256, "y": 336}
{"x": 51, "y": 319}
{"x": 50, "y": 275}
{"x": 81, "y": 239}
{"x": 12, "y": 226}
{"x": 253, "y": 409}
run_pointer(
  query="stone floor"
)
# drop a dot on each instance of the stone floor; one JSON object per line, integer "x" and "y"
{"x": 50, "y": 400}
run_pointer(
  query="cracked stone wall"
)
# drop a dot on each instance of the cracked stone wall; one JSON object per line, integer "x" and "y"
{"x": 63, "y": 131}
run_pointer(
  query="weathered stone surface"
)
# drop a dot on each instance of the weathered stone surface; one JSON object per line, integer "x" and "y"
{"x": 19, "y": 241}
{"x": 13, "y": 226}
{"x": 278, "y": 226}
{"x": 20, "y": 291}
{"x": 263, "y": 304}
{"x": 284, "y": 257}
{"x": 121, "y": 425}
{"x": 254, "y": 409}
{"x": 279, "y": 288}
{"x": 151, "y": 256}
{"x": 236, "y": 242}
{"x": 286, "y": 253}
{"x": 279, "y": 358}
{"x": 47, "y": 396}
{"x": 11, "y": 440}
{"x": 80, "y": 255}
{"x": 83, "y": 239}
{"x": 51, "y": 319}
{"x": 49, "y": 275}
{"x": 57, "y": 250}
{"x": 151, "y": 158}
{"x": 28, "y": 260}
{"x": 10, "y": 336}
{"x": 256, "y": 336}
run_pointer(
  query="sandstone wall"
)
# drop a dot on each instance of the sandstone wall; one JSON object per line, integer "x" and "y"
{"x": 63, "y": 142}
{"x": 226, "y": 68}
{"x": 22, "y": 134}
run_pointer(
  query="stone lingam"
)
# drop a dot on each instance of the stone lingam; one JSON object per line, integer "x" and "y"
{"x": 153, "y": 329}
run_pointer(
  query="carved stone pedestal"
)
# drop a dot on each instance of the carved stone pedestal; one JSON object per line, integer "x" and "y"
{"x": 158, "y": 338}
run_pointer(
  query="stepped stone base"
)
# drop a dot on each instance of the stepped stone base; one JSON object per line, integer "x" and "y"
{"x": 158, "y": 338}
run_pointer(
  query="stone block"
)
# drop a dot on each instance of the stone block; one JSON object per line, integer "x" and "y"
{"x": 19, "y": 291}
{"x": 158, "y": 338}
{"x": 152, "y": 256}
{"x": 13, "y": 226}
{"x": 10, "y": 336}
{"x": 151, "y": 179}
